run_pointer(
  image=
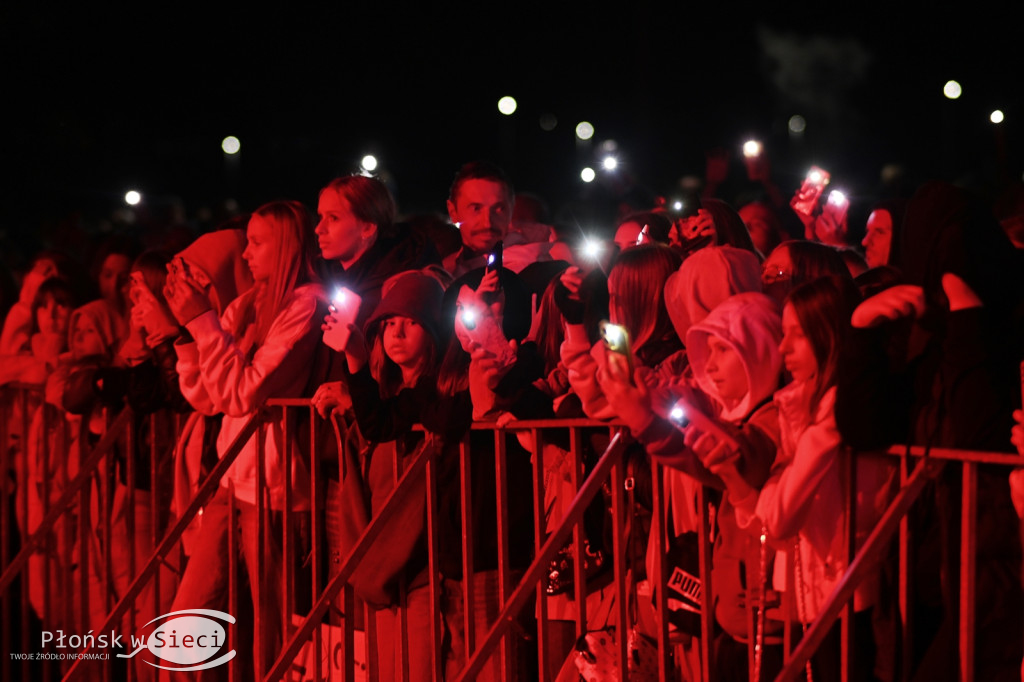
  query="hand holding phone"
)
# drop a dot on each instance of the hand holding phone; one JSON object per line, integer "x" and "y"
{"x": 806, "y": 199}
{"x": 683, "y": 414}
{"x": 344, "y": 309}
{"x": 616, "y": 341}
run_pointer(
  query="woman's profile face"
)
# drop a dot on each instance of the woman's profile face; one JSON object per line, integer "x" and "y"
{"x": 260, "y": 253}
{"x": 796, "y": 349}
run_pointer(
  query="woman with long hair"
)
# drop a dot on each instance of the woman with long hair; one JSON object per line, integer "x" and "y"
{"x": 258, "y": 349}
{"x": 800, "y": 507}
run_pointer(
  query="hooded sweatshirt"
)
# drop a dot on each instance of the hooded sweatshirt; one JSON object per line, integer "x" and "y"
{"x": 704, "y": 280}
{"x": 750, "y": 324}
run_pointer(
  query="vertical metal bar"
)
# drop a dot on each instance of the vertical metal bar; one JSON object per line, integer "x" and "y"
{"x": 848, "y": 467}
{"x": 707, "y": 615}
{"x": 402, "y": 636}
{"x": 968, "y": 567}
{"x": 501, "y": 515}
{"x": 234, "y": 670}
{"x": 6, "y": 524}
{"x": 27, "y": 576}
{"x": 436, "y": 632}
{"x": 539, "y": 533}
{"x": 155, "y": 527}
{"x": 318, "y": 490}
{"x": 466, "y": 492}
{"x": 578, "y": 534}
{"x": 257, "y": 582}
{"x": 905, "y": 587}
{"x": 622, "y": 592}
{"x": 129, "y": 457}
{"x": 659, "y": 580}
{"x": 287, "y": 538}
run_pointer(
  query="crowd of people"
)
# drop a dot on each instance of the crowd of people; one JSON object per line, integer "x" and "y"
{"x": 743, "y": 350}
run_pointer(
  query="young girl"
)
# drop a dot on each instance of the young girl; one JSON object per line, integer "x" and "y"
{"x": 636, "y": 301}
{"x": 258, "y": 349}
{"x": 802, "y": 501}
{"x": 736, "y": 363}
{"x": 387, "y": 385}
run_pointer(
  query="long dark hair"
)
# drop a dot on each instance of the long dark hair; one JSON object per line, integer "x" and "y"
{"x": 823, "y": 307}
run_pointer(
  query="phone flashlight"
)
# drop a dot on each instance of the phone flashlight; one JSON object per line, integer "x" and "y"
{"x": 837, "y": 198}
{"x": 678, "y": 415}
{"x": 468, "y": 316}
{"x": 642, "y": 237}
{"x": 592, "y": 248}
{"x": 751, "y": 149}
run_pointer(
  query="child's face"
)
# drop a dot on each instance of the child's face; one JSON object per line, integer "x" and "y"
{"x": 725, "y": 370}
{"x": 86, "y": 339}
{"x": 405, "y": 341}
{"x": 797, "y": 352}
{"x": 52, "y": 316}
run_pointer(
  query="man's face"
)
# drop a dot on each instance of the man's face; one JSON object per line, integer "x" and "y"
{"x": 482, "y": 209}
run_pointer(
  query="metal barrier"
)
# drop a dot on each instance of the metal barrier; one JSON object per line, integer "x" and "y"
{"x": 496, "y": 646}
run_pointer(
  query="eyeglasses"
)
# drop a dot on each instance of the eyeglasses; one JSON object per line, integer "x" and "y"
{"x": 770, "y": 274}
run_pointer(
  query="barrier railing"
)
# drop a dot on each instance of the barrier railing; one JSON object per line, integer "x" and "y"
{"x": 332, "y": 613}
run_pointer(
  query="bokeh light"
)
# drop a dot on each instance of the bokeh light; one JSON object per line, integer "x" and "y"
{"x": 952, "y": 90}
{"x": 230, "y": 145}
{"x": 507, "y": 105}
{"x": 996, "y": 116}
{"x": 584, "y": 130}
{"x": 368, "y": 163}
{"x": 751, "y": 148}
{"x": 588, "y": 174}
{"x": 131, "y": 197}
{"x": 797, "y": 124}
{"x": 609, "y": 163}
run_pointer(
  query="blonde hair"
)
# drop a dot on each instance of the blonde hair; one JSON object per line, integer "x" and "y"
{"x": 261, "y": 305}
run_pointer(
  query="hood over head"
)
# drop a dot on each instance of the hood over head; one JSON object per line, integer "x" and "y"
{"x": 750, "y": 324}
{"x": 707, "y": 278}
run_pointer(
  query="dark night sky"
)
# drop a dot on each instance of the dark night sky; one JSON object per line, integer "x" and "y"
{"x": 102, "y": 101}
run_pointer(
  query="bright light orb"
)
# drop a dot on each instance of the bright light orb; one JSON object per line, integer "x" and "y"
{"x": 610, "y": 163}
{"x": 230, "y": 145}
{"x": 996, "y": 116}
{"x": 132, "y": 197}
{"x": 751, "y": 148}
{"x": 815, "y": 176}
{"x": 507, "y": 105}
{"x": 797, "y": 124}
{"x": 836, "y": 198}
{"x": 368, "y": 162}
{"x": 588, "y": 175}
{"x": 952, "y": 90}
{"x": 677, "y": 205}
{"x": 592, "y": 248}
{"x": 584, "y": 130}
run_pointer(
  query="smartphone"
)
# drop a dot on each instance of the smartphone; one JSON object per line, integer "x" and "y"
{"x": 642, "y": 237}
{"x": 344, "y": 308}
{"x": 810, "y": 191}
{"x": 683, "y": 414}
{"x": 616, "y": 340}
{"x": 837, "y": 204}
{"x": 494, "y": 258}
